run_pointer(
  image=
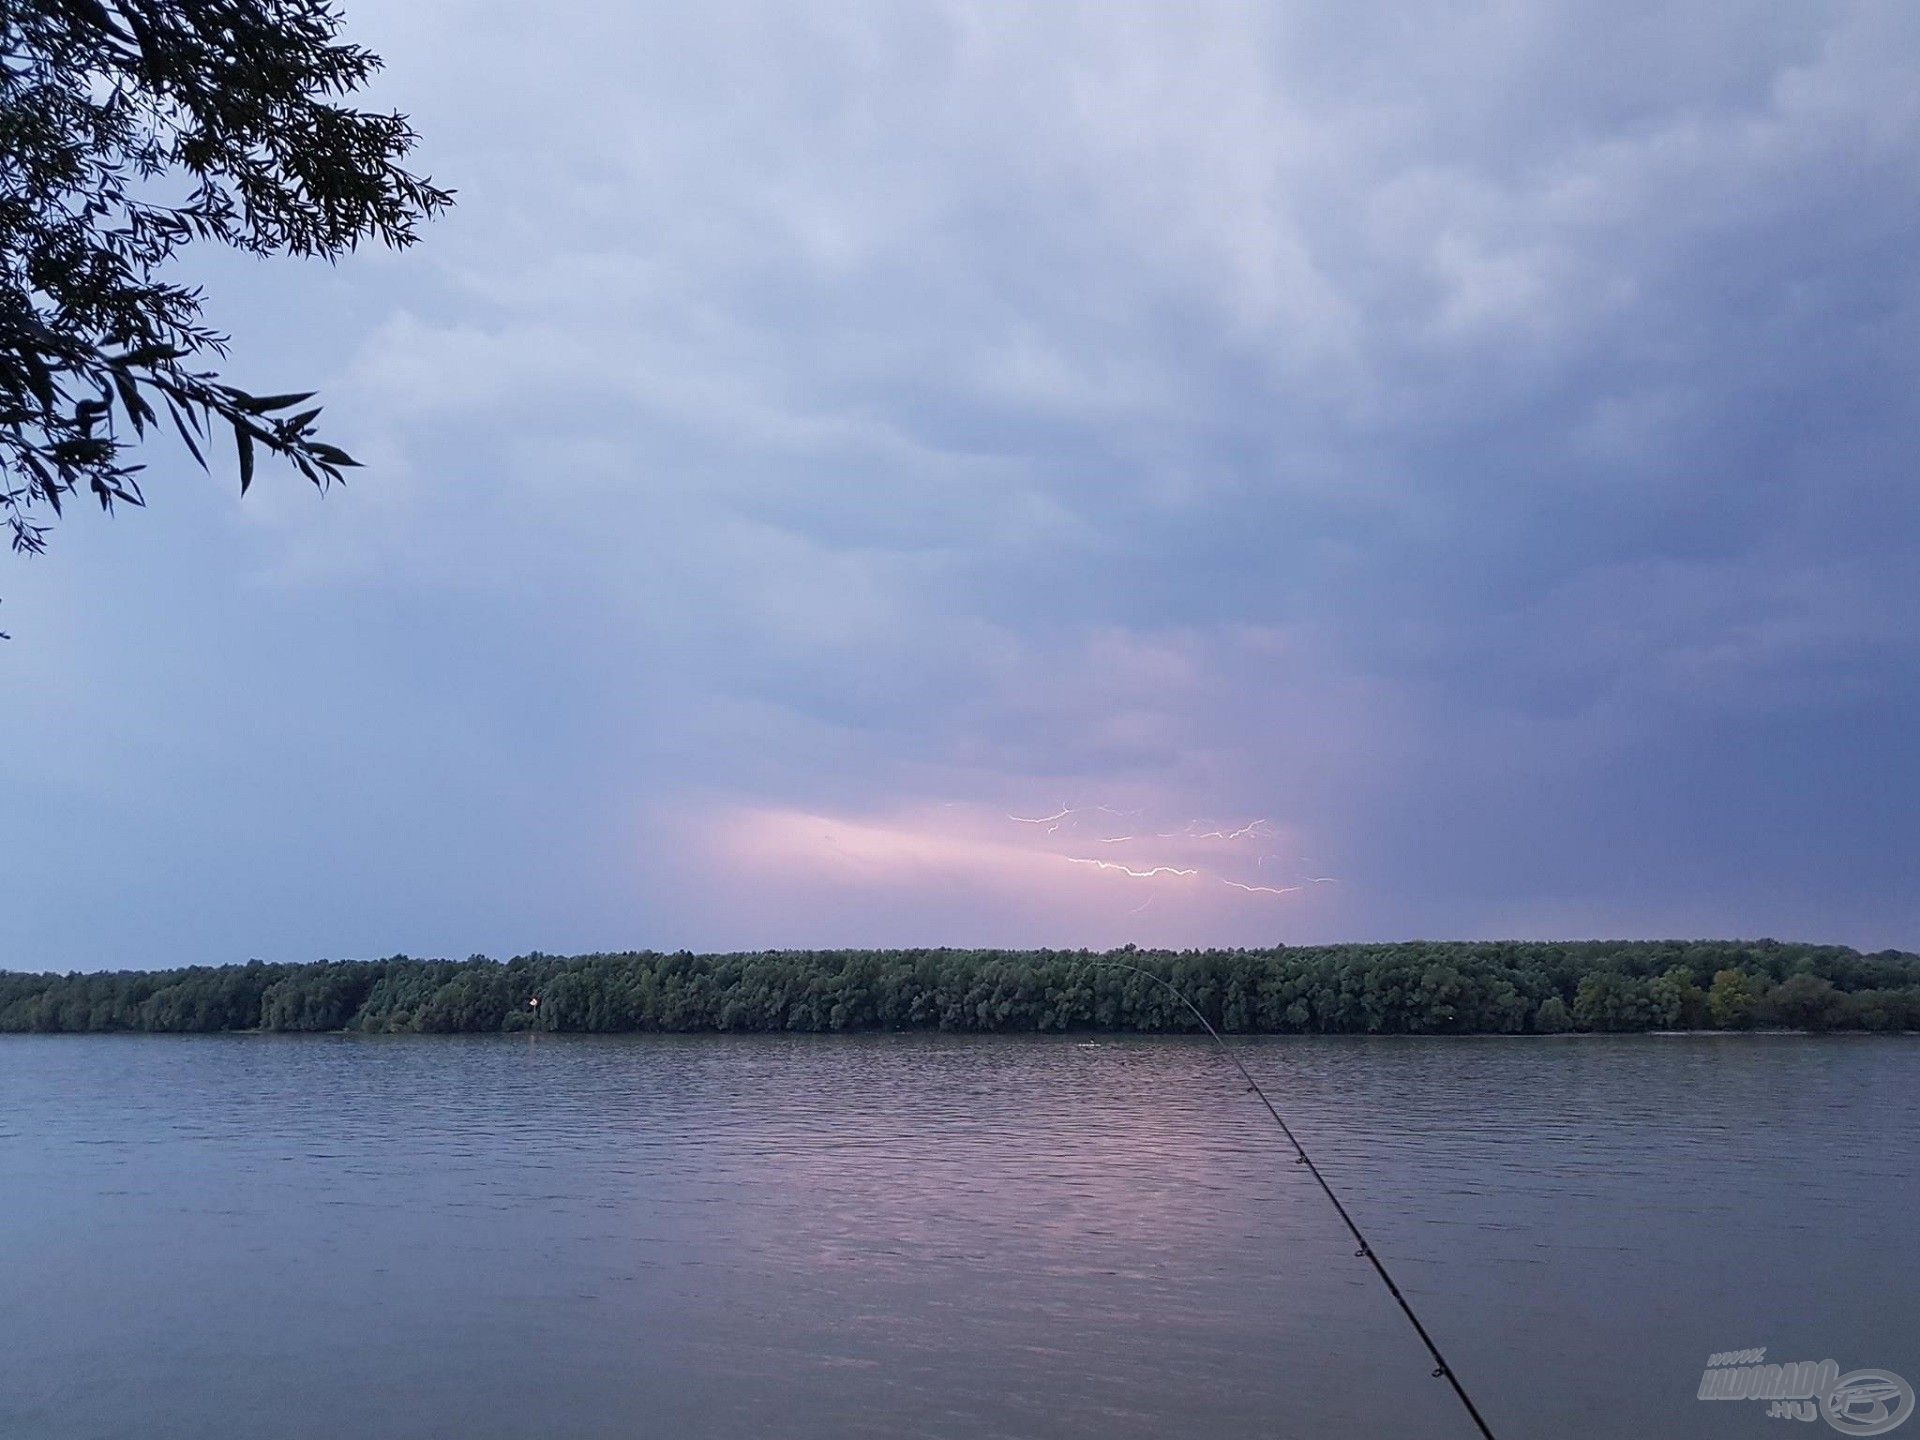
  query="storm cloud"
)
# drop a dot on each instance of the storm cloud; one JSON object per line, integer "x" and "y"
{"x": 825, "y": 438}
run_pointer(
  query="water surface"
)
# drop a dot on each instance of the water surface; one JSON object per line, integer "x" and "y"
{"x": 402, "y": 1238}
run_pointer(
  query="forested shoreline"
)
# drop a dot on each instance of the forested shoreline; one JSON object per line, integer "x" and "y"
{"x": 1412, "y": 988}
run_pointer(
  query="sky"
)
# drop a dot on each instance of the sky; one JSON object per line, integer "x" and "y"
{"x": 975, "y": 474}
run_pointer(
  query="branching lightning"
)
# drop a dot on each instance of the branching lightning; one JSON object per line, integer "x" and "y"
{"x": 1252, "y": 830}
{"x": 1262, "y": 889}
{"x": 1128, "y": 869}
{"x": 1211, "y": 834}
{"x": 1058, "y": 815}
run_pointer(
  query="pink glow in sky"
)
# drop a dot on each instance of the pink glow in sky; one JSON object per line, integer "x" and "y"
{"x": 1064, "y": 874}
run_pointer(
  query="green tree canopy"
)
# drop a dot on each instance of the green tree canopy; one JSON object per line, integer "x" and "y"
{"x": 128, "y": 130}
{"x": 1730, "y": 1000}
{"x": 1416, "y": 988}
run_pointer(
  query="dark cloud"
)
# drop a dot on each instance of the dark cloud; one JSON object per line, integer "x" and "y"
{"x": 1481, "y": 445}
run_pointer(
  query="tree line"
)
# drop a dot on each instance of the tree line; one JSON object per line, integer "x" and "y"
{"x": 1412, "y": 988}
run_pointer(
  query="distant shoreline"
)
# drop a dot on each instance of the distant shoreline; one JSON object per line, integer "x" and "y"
{"x": 1414, "y": 988}
{"x": 877, "y": 1033}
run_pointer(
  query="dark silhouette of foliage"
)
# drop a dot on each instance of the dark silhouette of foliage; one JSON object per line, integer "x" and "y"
{"x": 128, "y": 130}
{"x": 1419, "y": 988}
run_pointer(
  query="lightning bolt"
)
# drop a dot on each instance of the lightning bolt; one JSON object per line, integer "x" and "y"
{"x": 1058, "y": 815}
{"x": 1253, "y": 829}
{"x": 1128, "y": 869}
{"x": 1227, "y": 833}
{"x": 1261, "y": 889}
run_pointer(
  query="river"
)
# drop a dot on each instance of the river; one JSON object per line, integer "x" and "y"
{"x": 397, "y": 1238}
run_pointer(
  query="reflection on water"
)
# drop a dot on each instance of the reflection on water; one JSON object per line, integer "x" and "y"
{"x": 923, "y": 1235}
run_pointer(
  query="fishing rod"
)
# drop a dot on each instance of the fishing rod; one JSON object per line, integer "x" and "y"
{"x": 1442, "y": 1370}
